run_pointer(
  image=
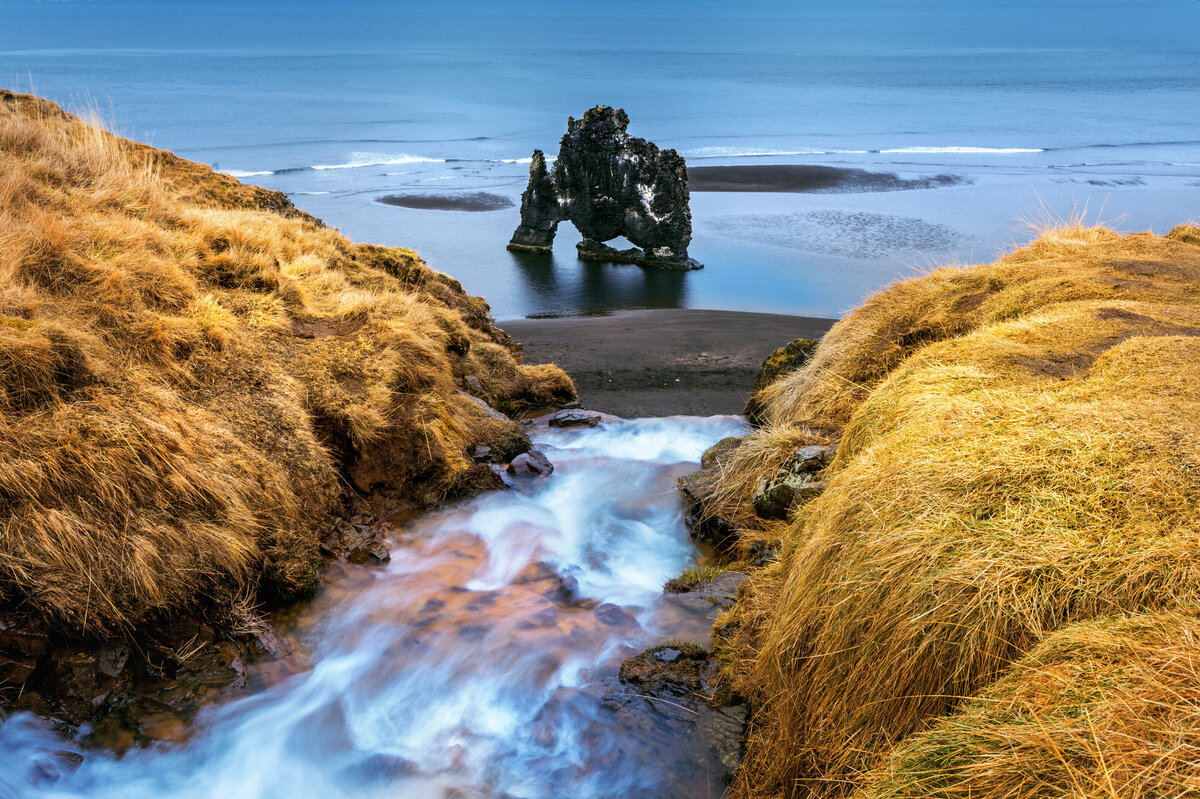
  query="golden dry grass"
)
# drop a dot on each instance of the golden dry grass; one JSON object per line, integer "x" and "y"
{"x": 1106, "y": 708}
{"x": 188, "y": 368}
{"x": 1020, "y": 451}
{"x": 1072, "y": 262}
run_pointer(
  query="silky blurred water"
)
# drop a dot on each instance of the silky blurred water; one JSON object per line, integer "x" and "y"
{"x": 1059, "y": 105}
{"x": 476, "y": 663}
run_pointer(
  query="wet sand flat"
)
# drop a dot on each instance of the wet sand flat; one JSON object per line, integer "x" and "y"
{"x": 662, "y": 362}
{"x": 805, "y": 178}
{"x": 472, "y": 201}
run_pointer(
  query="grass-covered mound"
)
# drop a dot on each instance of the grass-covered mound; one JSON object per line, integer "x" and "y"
{"x": 1105, "y": 708}
{"x": 189, "y": 370}
{"x": 1019, "y": 452}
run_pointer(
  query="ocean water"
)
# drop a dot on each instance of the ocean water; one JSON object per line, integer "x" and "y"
{"x": 1041, "y": 108}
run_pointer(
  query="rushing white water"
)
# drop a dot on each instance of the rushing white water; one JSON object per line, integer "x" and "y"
{"x": 474, "y": 664}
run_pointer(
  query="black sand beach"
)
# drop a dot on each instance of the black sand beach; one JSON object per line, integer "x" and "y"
{"x": 804, "y": 178}
{"x": 473, "y": 201}
{"x": 662, "y": 362}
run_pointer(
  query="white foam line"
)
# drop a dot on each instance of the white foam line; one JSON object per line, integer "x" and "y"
{"x": 976, "y": 150}
{"x": 717, "y": 152}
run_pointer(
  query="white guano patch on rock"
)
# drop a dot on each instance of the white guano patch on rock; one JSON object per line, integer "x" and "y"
{"x": 647, "y": 195}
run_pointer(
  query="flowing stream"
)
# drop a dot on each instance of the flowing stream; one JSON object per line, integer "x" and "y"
{"x": 480, "y": 661}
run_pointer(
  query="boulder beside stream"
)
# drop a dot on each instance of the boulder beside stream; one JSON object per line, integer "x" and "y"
{"x": 697, "y": 488}
{"x": 781, "y": 362}
{"x": 799, "y": 481}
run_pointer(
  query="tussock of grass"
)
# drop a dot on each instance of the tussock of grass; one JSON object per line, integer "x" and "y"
{"x": 188, "y": 368}
{"x": 1020, "y": 452}
{"x": 1187, "y": 232}
{"x": 692, "y": 578}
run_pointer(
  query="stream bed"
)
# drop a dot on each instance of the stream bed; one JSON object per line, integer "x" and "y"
{"x": 481, "y": 661}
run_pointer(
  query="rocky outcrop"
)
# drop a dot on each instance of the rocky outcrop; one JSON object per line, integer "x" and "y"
{"x": 782, "y": 361}
{"x": 609, "y": 184}
{"x": 697, "y": 489}
{"x": 122, "y": 692}
{"x": 539, "y": 210}
{"x": 799, "y": 481}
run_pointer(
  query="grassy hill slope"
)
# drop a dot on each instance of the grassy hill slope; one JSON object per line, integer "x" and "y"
{"x": 191, "y": 368}
{"x": 996, "y": 594}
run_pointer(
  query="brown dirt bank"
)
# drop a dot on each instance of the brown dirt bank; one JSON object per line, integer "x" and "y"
{"x": 807, "y": 178}
{"x": 662, "y": 362}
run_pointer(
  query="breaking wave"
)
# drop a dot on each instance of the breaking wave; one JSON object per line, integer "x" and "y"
{"x": 379, "y": 159}
{"x": 967, "y": 150}
{"x": 238, "y": 173}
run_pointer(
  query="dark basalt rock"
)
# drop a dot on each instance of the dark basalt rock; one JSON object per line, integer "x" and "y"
{"x": 355, "y": 543}
{"x": 609, "y": 184}
{"x": 121, "y": 692}
{"x": 576, "y": 418}
{"x": 782, "y": 361}
{"x": 533, "y": 463}
{"x": 539, "y": 210}
{"x": 669, "y": 669}
{"x": 774, "y": 497}
{"x": 698, "y": 489}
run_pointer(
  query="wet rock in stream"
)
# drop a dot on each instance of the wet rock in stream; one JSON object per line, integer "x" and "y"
{"x": 575, "y": 418}
{"x": 530, "y": 464}
{"x": 355, "y": 543}
{"x": 698, "y": 489}
{"x": 668, "y": 669}
{"x": 695, "y": 746}
{"x": 121, "y": 693}
{"x": 674, "y": 686}
{"x": 677, "y": 684}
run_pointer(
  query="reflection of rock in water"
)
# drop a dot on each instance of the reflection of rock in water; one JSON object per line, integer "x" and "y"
{"x": 572, "y": 288}
{"x": 856, "y": 234}
{"x": 609, "y": 184}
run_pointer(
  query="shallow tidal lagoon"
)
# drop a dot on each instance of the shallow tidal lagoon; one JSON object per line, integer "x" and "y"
{"x": 412, "y": 125}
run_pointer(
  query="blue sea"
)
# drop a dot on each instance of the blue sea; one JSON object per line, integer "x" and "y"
{"x": 1041, "y": 108}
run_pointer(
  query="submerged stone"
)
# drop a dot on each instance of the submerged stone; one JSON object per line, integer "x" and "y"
{"x": 575, "y": 418}
{"x": 533, "y": 463}
{"x": 609, "y": 184}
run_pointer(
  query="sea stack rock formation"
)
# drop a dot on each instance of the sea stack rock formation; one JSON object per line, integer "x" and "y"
{"x": 608, "y": 184}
